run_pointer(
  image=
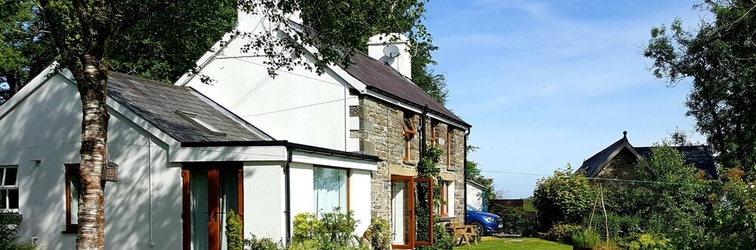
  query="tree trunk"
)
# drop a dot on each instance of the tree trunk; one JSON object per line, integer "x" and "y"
{"x": 92, "y": 82}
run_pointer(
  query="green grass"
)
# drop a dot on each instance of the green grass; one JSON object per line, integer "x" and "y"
{"x": 515, "y": 244}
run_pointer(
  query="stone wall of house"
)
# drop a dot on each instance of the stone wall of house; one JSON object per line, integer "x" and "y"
{"x": 381, "y": 133}
{"x": 620, "y": 167}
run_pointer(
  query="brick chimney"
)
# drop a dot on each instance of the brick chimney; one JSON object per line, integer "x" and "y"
{"x": 392, "y": 49}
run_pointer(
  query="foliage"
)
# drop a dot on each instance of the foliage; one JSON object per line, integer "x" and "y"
{"x": 442, "y": 240}
{"x": 379, "y": 234}
{"x": 9, "y": 223}
{"x": 588, "y": 238}
{"x": 333, "y": 230}
{"x": 427, "y": 79}
{"x": 566, "y": 197}
{"x": 563, "y": 232}
{"x": 720, "y": 59}
{"x": 513, "y": 218}
{"x": 650, "y": 242}
{"x": 259, "y": 244}
{"x": 234, "y": 231}
{"x": 733, "y": 218}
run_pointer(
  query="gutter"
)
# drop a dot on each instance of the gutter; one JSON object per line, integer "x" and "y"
{"x": 287, "y": 193}
{"x": 464, "y": 172}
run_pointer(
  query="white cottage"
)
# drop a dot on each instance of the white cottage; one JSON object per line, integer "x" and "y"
{"x": 371, "y": 107}
{"x": 184, "y": 162}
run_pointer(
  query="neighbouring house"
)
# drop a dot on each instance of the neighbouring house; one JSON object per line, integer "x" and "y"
{"x": 183, "y": 162}
{"x": 618, "y": 159}
{"x": 476, "y": 197}
{"x": 371, "y": 107}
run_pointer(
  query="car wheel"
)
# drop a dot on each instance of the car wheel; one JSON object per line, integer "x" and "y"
{"x": 478, "y": 228}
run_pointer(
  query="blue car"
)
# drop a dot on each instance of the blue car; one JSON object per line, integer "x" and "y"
{"x": 485, "y": 223}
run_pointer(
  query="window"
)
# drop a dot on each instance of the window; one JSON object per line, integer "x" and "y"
{"x": 442, "y": 207}
{"x": 72, "y": 198}
{"x": 9, "y": 189}
{"x": 434, "y": 132}
{"x": 409, "y": 132}
{"x": 331, "y": 187}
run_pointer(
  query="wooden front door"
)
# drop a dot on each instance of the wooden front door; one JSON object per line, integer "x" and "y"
{"x": 210, "y": 192}
{"x": 411, "y": 211}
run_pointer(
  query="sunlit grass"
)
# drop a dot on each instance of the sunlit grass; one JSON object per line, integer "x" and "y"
{"x": 515, "y": 244}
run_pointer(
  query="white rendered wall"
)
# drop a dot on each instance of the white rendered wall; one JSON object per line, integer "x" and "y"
{"x": 474, "y": 197}
{"x": 299, "y": 106}
{"x": 264, "y": 201}
{"x": 46, "y": 127}
{"x": 359, "y": 198}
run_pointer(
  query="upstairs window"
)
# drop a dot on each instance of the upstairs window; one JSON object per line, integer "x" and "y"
{"x": 410, "y": 130}
{"x": 9, "y": 189}
{"x": 448, "y": 147}
{"x": 434, "y": 132}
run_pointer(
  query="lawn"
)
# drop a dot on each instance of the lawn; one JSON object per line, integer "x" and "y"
{"x": 515, "y": 244}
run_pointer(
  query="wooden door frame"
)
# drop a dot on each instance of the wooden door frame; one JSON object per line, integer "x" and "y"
{"x": 186, "y": 194}
{"x": 410, "y": 206}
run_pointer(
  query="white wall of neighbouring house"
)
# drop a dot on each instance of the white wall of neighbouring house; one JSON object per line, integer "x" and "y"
{"x": 42, "y": 133}
{"x": 298, "y": 105}
{"x": 474, "y": 196}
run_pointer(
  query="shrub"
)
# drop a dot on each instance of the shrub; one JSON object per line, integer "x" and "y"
{"x": 260, "y": 244}
{"x": 650, "y": 242}
{"x": 9, "y": 223}
{"x": 588, "y": 238}
{"x": 563, "y": 232}
{"x": 565, "y": 197}
{"x": 234, "y": 231}
{"x": 333, "y": 230}
{"x": 379, "y": 234}
{"x": 513, "y": 218}
{"x": 441, "y": 239}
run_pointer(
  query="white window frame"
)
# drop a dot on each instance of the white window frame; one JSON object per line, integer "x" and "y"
{"x": 3, "y": 175}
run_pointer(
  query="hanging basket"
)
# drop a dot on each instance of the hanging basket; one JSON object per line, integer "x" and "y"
{"x": 110, "y": 172}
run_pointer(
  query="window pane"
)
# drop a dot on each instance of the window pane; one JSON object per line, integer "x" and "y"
{"x": 3, "y": 198}
{"x": 330, "y": 190}
{"x": 74, "y": 198}
{"x": 10, "y": 176}
{"x": 13, "y": 199}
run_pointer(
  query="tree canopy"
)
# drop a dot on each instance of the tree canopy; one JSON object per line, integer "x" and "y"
{"x": 720, "y": 57}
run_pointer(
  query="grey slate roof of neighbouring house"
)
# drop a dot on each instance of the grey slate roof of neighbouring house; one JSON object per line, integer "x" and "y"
{"x": 699, "y": 156}
{"x": 383, "y": 78}
{"x": 170, "y": 108}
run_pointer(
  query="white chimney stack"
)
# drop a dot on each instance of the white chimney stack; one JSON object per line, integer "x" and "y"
{"x": 393, "y": 50}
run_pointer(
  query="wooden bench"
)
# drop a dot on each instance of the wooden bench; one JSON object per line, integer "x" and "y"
{"x": 463, "y": 233}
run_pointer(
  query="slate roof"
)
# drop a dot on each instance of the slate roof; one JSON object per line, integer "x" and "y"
{"x": 383, "y": 78}
{"x": 158, "y": 104}
{"x": 701, "y": 157}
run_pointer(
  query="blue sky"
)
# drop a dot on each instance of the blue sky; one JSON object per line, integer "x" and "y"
{"x": 547, "y": 83}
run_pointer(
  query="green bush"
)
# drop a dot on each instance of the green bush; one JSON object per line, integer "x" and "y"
{"x": 566, "y": 197}
{"x": 9, "y": 223}
{"x": 563, "y": 232}
{"x": 650, "y": 242}
{"x": 442, "y": 240}
{"x": 513, "y": 219}
{"x": 260, "y": 244}
{"x": 234, "y": 231}
{"x": 333, "y": 231}
{"x": 379, "y": 234}
{"x": 588, "y": 238}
